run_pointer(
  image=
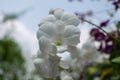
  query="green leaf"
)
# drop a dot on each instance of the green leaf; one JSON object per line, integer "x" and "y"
{"x": 116, "y": 60}
{"x": 118, "y": 25}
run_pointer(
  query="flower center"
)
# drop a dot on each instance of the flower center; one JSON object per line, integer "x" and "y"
{"x": 58, "y": 43}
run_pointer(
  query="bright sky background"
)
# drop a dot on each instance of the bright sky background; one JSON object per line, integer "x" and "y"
{"x": 40, "y": 8}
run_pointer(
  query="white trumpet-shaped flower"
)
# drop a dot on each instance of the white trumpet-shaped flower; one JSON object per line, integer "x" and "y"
{"x": 46, "y": 61}
{"x": 57, "y": 33}
{"x": 47, "y": 67}
{"x": 60, "y": 28}
{"x": 47, "y": 47}
{"x": 58, "y": 16}
{"x": 69, "y": 35}
{"x": 89, "y": 52}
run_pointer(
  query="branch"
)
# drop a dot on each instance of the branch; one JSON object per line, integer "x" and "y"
{"x": 100, "y": 29}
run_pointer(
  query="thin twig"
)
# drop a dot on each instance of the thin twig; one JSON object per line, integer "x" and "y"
{"x": 99, "y": 28}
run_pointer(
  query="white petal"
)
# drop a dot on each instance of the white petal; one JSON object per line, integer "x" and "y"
{"x": 40, "y": 67}
{"x": 89, "y": 51}
{"x": 58, "y": 13}
{"x": 54, "y": 49}
{"x": 88, "y": 46}
{"x": 47, "y": 30}
{"x": 47, "y": 67}
{"x": 62, "y": 48}
{"x": 65, "y": 75}
{"x": 68, "y": 77}
{"x": 60, "y": 25}
{"x": 72, "y": 35}
{"x": 74, "y": 51}
{"x": 49, "y": 18}
{"x": 46, "y": 46}
{"x": 51, "y": 11}
{"x": 54, "y": 59}
{"x": 70, "y": 19}
{"x": 64, "y": 65}
{"x": 40, "y": 54}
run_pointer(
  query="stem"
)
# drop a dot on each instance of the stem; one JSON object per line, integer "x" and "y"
{"x": 100, "y": 29}
{"x": 94, "y": 25}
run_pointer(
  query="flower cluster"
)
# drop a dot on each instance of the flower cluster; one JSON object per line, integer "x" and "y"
{"x": 58, "y": 37}
{"x": 106, "y": 42}
{"x": 57, "y": 33}
{"x": 109, "y": 44}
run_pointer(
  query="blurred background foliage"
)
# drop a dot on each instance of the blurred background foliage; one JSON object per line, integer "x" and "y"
{"x": 11, "y": 60}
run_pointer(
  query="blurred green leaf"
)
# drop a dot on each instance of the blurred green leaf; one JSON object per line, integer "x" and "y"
{"x": 116, "y": 60}
{"x": 118, "y": 25}
{"x": 11, "y": 60}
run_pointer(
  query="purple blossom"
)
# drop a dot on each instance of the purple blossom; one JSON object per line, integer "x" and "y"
{"x": 108, "y": 45}
{"x": 107, "y": 42}
{"x": 104, "y": 23}
{"x": 108, "y": 48}
{"x": 98, "y": 35}
{"x": 116, "y": 3}
{"x": 94, "y": 31}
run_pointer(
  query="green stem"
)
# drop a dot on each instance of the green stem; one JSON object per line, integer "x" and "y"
{"x": 100, "y": 29}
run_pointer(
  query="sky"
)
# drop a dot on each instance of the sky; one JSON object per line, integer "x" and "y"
{"x": 38, "y": 9}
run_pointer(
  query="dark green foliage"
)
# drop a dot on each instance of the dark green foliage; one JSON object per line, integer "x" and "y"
{"x": 11, "y": 60}
{"x": 118, "y": 25}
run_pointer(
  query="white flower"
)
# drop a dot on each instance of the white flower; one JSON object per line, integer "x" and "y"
{"x": 69, "y": 35}
{"x": 47, "y": 67}
{"x": 89, "y": 52}
{"x": 64, "y": 65}
{"x": 46, "y": 61}
{"x": 67, "y": 78}
{"x": 56, "y": 34}
{"x": 46, "y": 46}
{"x": 58, "y": 16}
{"x": 60, "y": 28}
{"x": 65, "y": 75}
